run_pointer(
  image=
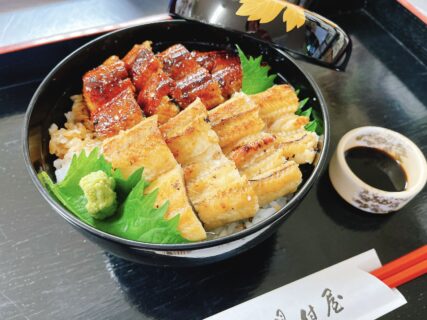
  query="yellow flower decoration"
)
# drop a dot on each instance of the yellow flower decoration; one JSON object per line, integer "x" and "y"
{"x": 267, "y": 10}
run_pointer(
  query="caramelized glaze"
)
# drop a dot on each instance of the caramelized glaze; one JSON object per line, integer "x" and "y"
{"x": 151, "y": 95}
{"x": 103, "y": 83}
{"x": 144, "y": 67}
{"x": 172, "y": 76}
{"x": 121, "y": 113}
{"x": 192, "y": 80}
{"x": 225, "y": 69}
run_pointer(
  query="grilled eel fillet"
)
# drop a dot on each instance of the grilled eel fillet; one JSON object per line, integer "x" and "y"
{"x": 277, "y": 108}
{"x": 191, "y": 80}
{"x": 224, "y": 67}
{"x": 152, "y": 83}
{"x": 102, "y": 84}
{"x": 120, "y": 113}
{"x": 140, "y": 146}
{"x": 143, "y": 146}
{"x": 109, "y": 96}
{"x": 235, "y": 119}
{"x": 262, "y": 161}
{"x": 219, "y": 194}
{"x": 171, "y": 188}
{"x": 176, "y": 72}
{"x": 256, "y": 154}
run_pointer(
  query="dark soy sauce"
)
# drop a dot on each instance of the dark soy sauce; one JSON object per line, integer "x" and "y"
{"x": 376, "y": 168}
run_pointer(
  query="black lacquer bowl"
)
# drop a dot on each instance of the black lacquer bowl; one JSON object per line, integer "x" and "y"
{"x": 51, "y": 101}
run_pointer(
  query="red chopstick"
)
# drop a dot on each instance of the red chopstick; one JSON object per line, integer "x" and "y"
{"x": 407, "y": 275}
{"x": 403, "y": 269}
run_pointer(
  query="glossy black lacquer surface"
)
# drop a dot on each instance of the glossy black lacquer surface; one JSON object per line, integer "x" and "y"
{"x": 318, "y": 40}
{"x": 50, "y": 271}
{"x": 51, "y": 101}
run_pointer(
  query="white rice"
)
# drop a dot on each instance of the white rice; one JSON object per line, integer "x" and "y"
{"x": 261, "y": 215}
{"x": 76, "y": 136}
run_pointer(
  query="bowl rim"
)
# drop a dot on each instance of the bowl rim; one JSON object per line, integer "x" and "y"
{"x": 76, "y": 222}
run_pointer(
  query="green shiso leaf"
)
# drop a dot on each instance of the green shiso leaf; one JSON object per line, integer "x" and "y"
{"x": 316, "y": 123}
{"x": 255, "y": 76}
{"x": 306, "y": 113}
{"x": 125, "y": 186}
{"x": 137, "y": 217}
{"x": 146, "y": 222}
{"x": 301, "y": 105}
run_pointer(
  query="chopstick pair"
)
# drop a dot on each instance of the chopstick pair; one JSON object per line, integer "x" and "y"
{"x": 403, "y": 269}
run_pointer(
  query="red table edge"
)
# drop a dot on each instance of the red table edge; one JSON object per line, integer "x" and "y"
{"x": 413, "y": 9}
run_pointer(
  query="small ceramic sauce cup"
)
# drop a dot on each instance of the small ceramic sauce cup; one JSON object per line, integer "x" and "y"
{"x": 365, "y": 197}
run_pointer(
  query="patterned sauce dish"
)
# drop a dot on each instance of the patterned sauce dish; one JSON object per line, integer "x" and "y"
{"x": 364, "y": 196}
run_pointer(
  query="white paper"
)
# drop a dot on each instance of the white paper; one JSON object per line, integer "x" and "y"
{"x": 343, "y": 291}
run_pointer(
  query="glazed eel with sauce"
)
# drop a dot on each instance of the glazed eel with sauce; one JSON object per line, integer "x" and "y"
{"x": 163, "y": 83}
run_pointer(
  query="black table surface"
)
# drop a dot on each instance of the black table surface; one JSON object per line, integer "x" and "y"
{"x": 50, "y": 271}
